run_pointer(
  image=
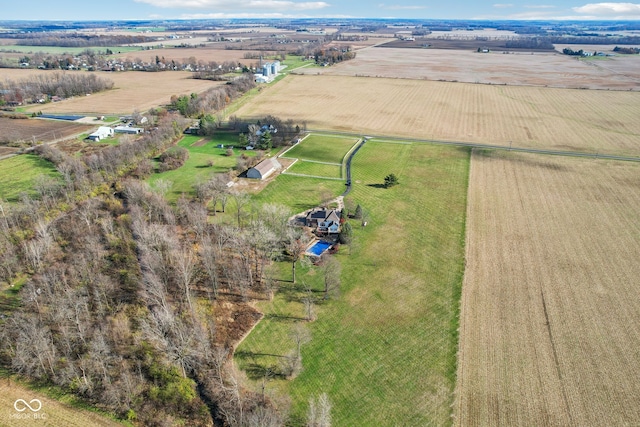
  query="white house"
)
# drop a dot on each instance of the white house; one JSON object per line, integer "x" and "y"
{"x": 101, "y": 133}
{"x": 263, "y": 169}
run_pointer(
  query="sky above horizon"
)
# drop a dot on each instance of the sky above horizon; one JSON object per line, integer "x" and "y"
{"x": 227, "y": 9}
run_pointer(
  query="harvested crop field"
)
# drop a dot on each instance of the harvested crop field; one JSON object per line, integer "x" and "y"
{"x": 39, "y": 129}
{"x": 208, "y": 53}
{"x": 522, "y": 68}
{"x": 51, "y": 413}
{"x": 549, "y": 319}
{"x": 528, "y": 117}
{"x": 131, "y": 91}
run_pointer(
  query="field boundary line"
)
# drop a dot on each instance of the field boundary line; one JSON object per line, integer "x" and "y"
{"x": 311, "y": 176}
{"x": 292, "y": 147}
{"x": 315, "y": 161}
{"x": 287, "y": 168}
{"x": 503, "y": 147}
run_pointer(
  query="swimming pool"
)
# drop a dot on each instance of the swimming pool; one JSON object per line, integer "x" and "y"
{"x": 319, "y": 248}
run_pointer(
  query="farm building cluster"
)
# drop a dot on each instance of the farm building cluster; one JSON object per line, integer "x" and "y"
{"x": 269, "y": 71}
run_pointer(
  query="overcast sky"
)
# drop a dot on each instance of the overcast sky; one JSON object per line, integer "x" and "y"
{"x": 435, "y": 9}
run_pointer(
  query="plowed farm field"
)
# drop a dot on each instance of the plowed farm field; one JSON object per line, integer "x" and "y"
{"x": 39, "y": 129}
{"x": 549, "y": 329}
{"x": 528, "y": 117}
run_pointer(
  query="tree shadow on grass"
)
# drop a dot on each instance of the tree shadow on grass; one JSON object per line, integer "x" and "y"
{"x": 283, "y": 317}
{"x": 256, "y": 371}
{"x": 376, "y": 185}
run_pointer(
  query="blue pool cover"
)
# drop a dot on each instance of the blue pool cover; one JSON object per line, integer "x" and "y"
{"x": 319, "y": 248}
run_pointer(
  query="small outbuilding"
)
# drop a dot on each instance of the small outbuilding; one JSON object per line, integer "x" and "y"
{"x": 263, "y": 169}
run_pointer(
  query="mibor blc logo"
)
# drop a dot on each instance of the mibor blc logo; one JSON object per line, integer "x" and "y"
{"x": 28, "y": 410}
{"x": 21, "y": 405}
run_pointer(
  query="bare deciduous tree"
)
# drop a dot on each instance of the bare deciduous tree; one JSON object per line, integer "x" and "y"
{"x": 319, "y": 414}
{"x": 331, "y": 270}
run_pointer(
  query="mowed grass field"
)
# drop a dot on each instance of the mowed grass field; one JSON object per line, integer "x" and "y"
{"x": 588, "y": 121}
{"x": 549, "y": 315}
{"x": 384, "y": 350}
{"x": 320, "y": 155}
{"x": 53, "y": 413}
{"x": 315, "y": 169}
{"x": 322, "y": 148}
{"x": 19, "y": 173}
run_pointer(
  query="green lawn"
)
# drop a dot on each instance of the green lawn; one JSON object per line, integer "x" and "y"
{"x": 322, "y": 148}
{"x": 299, "y": 193}
{"x": 385, "y": 350}
{"x": 18, "y": 174}
{"x": 316, "y": 169}
{"x": 196, "y": 167}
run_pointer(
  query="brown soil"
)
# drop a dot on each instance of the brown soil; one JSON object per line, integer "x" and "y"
{"x": 40, "y": 130}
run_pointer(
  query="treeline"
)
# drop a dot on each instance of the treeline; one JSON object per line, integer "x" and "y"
{"x": 530, "y": 43}
{"x": 626, "y": 50}
{"x": 333, "y": 55}
{"x": 114, "y": 307}
{"x": 56, "y": 84}
{"x": 78, "y": 40}
{"x": 571, "y": 52}
{"x": 122, "y": 290}
{"x": 216, "y": 98}
{"x": 287, "y": 130}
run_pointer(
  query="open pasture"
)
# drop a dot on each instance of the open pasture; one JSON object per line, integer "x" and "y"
{"x": 549, "y": 319}
{"x": 52, "y": 412}
{"x": 384, "y": 350}
{"x": 522, "y": 68}
{"x": 39, "y": 130}
{"x": 527, "y": 117}
{"x": 131, "y": 91}
{"x": 18, "y": 174}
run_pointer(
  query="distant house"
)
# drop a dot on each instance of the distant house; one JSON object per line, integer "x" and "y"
{"x": 101, "y": 133}
{"x": 324, "y": 220}
{"x": 263, "y": 169}
{"x": 128, "y": 130}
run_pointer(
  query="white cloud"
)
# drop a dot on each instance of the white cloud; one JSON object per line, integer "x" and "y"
{"x": 540, "y": 6}
{"x": 400, "y": 7}
{"x": 238, "y": 4}
{"x": 609, "y": 10}
{"x": 252, "y": 15}
{"x": 502, "y": 5}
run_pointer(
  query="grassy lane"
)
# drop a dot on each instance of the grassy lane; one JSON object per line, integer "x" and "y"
{"x": 384, "y": 351}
